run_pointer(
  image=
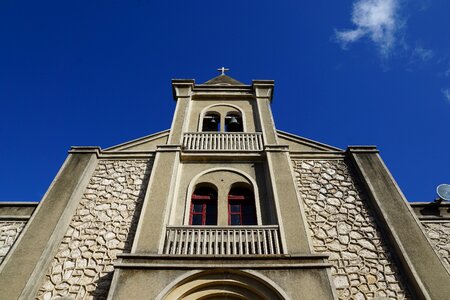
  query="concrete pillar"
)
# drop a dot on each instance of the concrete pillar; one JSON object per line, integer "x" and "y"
{"x": 263, "y": 90}
{"x": 159, "y": 194}
{"x": 426, "y": 276}
{"x": 287, "y": 202}
{"x": 182, "y": 90}
{"x": 222, "y": 206}
{"x": 157, "y": 202}
{"x": 32, "y": 253}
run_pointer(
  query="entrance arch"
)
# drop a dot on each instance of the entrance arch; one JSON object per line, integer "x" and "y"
{"x": 220, "y": 284}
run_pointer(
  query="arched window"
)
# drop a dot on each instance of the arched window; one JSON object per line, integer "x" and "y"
{"x": 233, "y": 123}
{"x": 203, "y": 206}
{"x": 211, "y": 122}
{"x": 241, "y": 207}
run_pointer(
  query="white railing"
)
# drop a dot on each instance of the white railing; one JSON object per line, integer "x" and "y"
{"x": 223, "y": 141}
{"x": 214, "y": 240}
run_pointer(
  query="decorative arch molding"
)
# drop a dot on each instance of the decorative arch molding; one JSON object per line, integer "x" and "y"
{"x": 210, "y": 108}
{"x": 213, "y": 284}
{"x": 193, "y": 183}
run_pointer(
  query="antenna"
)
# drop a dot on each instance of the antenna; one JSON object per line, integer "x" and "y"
{"x": 443, "y": 191}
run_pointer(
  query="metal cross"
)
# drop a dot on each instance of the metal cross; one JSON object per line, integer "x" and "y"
{"x": 223, "y": 70}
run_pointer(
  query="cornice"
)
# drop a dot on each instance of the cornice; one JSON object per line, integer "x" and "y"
{"x": 362, "y": 149}
{"x": 431, "y": 211}
{"x": 100, "y": 154}
{"x": 317, "y": 155}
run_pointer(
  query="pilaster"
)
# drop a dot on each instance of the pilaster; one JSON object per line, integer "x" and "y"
{"x": 33, "y": 251}
{"x": 158, "y": 200}
{"x": 287, "y": 202}
{"x": 425, "y": 274}
{"x": 263, "y": 90}
{"x": 182, "y": 91}
{"x": 289, "y": 212}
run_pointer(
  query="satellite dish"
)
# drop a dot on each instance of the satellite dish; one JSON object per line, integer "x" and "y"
{"x": 443, "y": 191}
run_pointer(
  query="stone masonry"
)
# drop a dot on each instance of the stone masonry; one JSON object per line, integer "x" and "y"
{"x": 9, "y": 231}
{"x": 102, "y": 227}
{"x": 439, "y": 234}
{"x": 342, "y": 226}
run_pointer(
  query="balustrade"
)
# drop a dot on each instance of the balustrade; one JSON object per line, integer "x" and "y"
{"x": 223, "y": 141}
{"x": 214, "y": 240}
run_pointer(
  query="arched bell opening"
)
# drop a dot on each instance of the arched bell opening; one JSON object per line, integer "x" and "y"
{"x": 222, "y": 117}
{"x": 211, "y": 122}
{"x": 233, "y": 122}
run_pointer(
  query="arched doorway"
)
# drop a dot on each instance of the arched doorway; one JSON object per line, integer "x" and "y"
{"x": 223, "y": 284}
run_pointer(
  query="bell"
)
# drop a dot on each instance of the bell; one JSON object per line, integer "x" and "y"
{"x": 234, "y": 124}
{"x": 213, "y": 121}
{"x": 233, "y": 121}
{"x": 212, "y": 124}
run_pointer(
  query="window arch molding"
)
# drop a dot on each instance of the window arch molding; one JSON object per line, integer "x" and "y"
{"x": 215, "y": 108}
{"x": 196, "y": 181}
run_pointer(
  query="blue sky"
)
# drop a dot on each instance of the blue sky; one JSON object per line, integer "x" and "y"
{"x": 347, "y": 72}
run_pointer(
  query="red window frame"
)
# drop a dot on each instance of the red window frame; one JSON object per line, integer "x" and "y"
{"x": 241, "y": 200}
{"x": 205, "y": 201}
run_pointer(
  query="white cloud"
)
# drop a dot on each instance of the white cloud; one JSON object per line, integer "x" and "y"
{"x": 376, "y": 19}
{"x": 447, "y": 73}
{"x": 422, "y": 53}
{"x": 446, "y": 93}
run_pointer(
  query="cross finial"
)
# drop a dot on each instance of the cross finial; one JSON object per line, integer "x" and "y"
{"x": 223, "y": 70}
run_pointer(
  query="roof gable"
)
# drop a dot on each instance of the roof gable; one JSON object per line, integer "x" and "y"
{"x": 298, "y": 143}
{"x": 295, "y": 142}
{"x": 223, "y": 80}
{"x": 146, "y": 143}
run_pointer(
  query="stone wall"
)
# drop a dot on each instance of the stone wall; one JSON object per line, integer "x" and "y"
{"x": 102, "y": 227}
{"x": 9, "y": 231}
{"x": 342, "y": 225}
{"x": 439, "y": 234}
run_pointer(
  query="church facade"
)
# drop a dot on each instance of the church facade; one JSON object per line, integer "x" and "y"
{"x": 224, "y": 206}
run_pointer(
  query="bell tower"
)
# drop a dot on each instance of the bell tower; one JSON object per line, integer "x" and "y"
{"x": 222, "y": 203}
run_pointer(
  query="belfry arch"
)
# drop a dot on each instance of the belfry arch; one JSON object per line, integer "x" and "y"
{"x": 222, "y": 284}
{"x": 223, "y": 110}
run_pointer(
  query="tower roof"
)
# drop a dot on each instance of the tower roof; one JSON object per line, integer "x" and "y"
{"x": 223, "y": 79}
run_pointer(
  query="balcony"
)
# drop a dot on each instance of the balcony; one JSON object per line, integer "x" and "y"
{"x": 214, "y": 240}
{"x": 223, "y": 141}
